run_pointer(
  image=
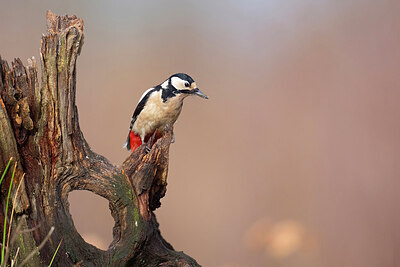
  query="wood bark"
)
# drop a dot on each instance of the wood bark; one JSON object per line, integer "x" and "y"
{"x": 39, "y": 128}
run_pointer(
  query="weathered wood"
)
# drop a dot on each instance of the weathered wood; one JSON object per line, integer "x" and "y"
{"x": 39, "y": 128}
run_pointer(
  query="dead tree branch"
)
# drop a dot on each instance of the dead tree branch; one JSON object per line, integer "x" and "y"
{"x": 39, "y": 128}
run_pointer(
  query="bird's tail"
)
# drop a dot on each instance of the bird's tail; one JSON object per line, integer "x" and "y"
{"x": 127, "y": 143}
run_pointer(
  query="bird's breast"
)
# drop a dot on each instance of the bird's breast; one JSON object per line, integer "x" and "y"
{"x": 157, "y": 114}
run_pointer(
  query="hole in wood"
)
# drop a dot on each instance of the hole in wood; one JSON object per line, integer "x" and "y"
{"x": 92, "y": 217}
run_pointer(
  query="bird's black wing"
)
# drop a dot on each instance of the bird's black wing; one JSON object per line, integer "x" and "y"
{"x": 139, "y": 108}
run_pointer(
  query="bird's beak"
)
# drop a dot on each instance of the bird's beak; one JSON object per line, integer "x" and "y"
{"x": 196, "y": 91}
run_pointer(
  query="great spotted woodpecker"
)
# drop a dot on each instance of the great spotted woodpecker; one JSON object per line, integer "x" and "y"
{"x": 158, "y": 107}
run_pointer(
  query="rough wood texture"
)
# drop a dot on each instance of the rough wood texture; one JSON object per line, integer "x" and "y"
{"x": 39, "y": 128}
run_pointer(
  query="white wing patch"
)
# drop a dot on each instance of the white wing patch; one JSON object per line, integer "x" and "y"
{"x": 145, "y": 93}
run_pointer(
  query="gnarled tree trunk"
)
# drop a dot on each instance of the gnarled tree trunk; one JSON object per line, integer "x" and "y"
{"x": 39, "y": 128}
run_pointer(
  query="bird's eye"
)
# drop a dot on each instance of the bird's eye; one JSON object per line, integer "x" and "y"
{"x": 187, "y": 84}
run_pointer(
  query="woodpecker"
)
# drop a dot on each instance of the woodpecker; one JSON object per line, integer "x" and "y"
{"x": 158, "y": 107}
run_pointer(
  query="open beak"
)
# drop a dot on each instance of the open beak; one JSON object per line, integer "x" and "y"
{"x": 196, "y": 91}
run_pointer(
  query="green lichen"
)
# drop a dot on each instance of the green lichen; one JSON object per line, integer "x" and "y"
{"x": 123, "y": 189}
{"x": 62, "y": 54}
{"x": 26, "y": 245}
{"x": 136, "y": 226}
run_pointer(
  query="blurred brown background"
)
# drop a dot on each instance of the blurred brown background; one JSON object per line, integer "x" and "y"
{"x": 293, "y": 161}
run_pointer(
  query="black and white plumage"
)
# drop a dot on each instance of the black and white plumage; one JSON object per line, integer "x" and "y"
{"x": 158, "y": 107}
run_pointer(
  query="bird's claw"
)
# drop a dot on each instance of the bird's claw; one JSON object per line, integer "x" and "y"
{"x": 147, "y": 149}
{"x": 166, "y": 128}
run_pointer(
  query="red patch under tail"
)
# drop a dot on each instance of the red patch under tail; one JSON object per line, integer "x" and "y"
{"x": 135, "y": 141}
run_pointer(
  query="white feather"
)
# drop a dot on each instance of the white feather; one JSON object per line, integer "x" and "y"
{"x": 178, "y": 83}
{"x": 145, "y": 93}
{"x": 164, "y": 85}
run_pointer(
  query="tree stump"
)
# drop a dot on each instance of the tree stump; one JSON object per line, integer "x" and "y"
{"x": 39, "y": 128}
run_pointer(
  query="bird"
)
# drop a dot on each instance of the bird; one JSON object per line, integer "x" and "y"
{"x": 158, "y": 107}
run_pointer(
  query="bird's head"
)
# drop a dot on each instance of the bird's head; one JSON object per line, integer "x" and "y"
{"x": 184, "y": 84}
